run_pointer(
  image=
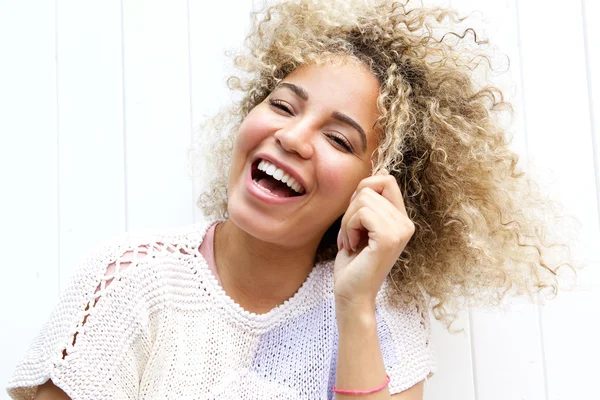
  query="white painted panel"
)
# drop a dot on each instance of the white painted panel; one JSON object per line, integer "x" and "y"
{"x": 508, "y": 354}
{"x": 454, "y": 378}
{"x": 90, "y": 124}
{"x": 28, "y": 180}
{"x": 558, "y": 118}
{"x": 507, "y": 349}
{"x": 215, "y": 28}
{"x": 441, "y": 3}
{"x": 591, "y": 11}
{"x": 157, "y": 113}
{"x": 560, "y": 145}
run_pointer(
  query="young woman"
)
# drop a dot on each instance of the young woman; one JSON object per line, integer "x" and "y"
{"x": 360, "y": 181}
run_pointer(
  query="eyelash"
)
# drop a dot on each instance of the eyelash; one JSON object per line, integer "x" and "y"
{"x": 339, "y": 139}
{"x": 280, "y": 104}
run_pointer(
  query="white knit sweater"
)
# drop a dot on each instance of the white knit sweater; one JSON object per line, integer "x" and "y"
{"x": 144, "y": 318}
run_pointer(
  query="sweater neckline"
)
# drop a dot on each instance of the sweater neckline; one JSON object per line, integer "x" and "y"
{"x": 236, "y": 310}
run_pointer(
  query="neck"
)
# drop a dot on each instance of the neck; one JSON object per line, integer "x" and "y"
{"x": 259, "y": 275}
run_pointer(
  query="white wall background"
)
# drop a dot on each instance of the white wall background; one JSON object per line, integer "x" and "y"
{"x": 97, "y": 105}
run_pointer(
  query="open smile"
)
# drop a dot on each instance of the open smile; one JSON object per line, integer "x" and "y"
{"x": 272, "y": 184}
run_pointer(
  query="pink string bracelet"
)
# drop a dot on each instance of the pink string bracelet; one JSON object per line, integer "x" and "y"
{"x": 357, "y": 392}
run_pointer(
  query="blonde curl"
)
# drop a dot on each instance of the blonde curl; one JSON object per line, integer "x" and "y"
{"x": 482, "y": 224}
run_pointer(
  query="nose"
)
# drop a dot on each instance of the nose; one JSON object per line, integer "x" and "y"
{"x": 296, "y": 138}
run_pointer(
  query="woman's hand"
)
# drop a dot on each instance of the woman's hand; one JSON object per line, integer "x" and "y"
{"x": 374, "y": 231}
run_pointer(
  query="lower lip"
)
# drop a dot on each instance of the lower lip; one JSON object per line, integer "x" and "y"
{"x": 268, "y": 198}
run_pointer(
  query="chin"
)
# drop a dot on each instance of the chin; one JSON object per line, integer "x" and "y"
{"x": 255, "y": 224}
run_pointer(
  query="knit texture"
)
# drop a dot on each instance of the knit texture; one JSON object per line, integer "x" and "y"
{"x": 143, "y": 317}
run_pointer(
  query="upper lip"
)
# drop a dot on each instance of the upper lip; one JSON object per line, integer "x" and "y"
{"x": 285, "y": 167}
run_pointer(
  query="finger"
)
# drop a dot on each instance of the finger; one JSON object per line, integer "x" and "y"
{"x": 366, "y": 198}
{"x": 369, "y": 197}
{"x": 386, "y": 186}
{"x": 382, "y": 172}
{"x": 365, "y": 219}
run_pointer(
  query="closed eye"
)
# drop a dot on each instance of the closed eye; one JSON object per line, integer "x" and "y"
{"x": 280, "y": 105}
{"x": 342, "y": 141}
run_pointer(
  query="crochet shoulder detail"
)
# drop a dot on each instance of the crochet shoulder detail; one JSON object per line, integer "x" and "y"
{"x": 101, "y": 322}
{"x": 132, "y": 251}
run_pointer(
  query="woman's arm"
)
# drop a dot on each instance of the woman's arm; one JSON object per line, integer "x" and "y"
{"x": 49, "y": 391}
{"x": 373, "y": 233}
{"x": 360, "y": 362}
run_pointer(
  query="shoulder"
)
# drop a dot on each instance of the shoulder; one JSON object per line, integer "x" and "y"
{"x": 402, "y": 310}
{"x": 127, "y": 254}
{"x": 101, "y": 324}
{"x": 404, "y": 330}
{"x": 125, "y": 260}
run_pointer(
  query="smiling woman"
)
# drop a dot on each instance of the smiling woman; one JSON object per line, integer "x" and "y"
{"x": 303, "y": 127}
{"x": 361, "y": 180}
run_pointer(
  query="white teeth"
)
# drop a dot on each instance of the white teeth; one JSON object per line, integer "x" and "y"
{"x": 280, "y": 175}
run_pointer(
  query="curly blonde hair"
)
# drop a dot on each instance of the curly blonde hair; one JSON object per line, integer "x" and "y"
{"x": 481, "y": 224}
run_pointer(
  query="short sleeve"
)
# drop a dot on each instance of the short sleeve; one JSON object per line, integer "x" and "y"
{"x": 94, "y": 345}
{"x": 404, "y": 332}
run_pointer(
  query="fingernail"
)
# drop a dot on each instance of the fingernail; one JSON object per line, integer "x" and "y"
{"x": 339, "y": 240}
{"x": 353, "y": 196}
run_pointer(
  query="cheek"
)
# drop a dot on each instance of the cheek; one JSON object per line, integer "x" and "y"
{"x": 253, "y": 130}
{"x": 249, "y": 136}
{"x": 339, "y": 176}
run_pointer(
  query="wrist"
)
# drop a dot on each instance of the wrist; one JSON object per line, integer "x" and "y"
{"x": 356, "y": 314}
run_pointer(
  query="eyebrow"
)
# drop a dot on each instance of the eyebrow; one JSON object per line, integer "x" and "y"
{"x": 300, "y": 92}
{"x": 346, "y": 119}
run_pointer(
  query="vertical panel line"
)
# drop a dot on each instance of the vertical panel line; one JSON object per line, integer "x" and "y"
{"x": 524, "y": 113}
{"x": 588, "y": 72}
{"x": 522, "y": 81}
{"x": 124, "y": 126}
{"x": 57, "y": 127}
{"x": 191, "y": 94}
{"x": 473, "y": 358}
{"x": 543, "y": 348}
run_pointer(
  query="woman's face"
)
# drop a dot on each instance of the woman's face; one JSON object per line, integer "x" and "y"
{"x": 317, "y": 126}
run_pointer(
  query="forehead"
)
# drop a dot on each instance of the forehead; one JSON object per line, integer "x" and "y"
{"x": 346, "y": 76}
